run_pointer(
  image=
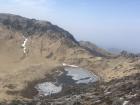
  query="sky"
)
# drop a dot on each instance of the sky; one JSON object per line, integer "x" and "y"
{"x": 107, "y": 23}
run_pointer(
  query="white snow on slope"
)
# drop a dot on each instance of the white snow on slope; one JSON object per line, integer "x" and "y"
{"x": 48, "y": 88}
{"x": 125, "y": 102}
{"x": 24, "y": 44}
{"x": 64, "y": 64}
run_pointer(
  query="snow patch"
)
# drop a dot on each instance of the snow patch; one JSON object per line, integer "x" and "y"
{"x": 48, "y": 88}
{"x": 107, "y": 93}
{"x": 125, "y": 102}
{"x": 131, "y": 96}
{"x": 24, "y": 44}
{"x": 81, "y": 75}
{"x": 64, "y": 64}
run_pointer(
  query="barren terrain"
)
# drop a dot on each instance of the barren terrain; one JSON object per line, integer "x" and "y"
{"x": 45, "y": 51}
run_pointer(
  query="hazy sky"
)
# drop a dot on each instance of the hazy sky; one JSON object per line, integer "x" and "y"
{"x": 108, "y": 23}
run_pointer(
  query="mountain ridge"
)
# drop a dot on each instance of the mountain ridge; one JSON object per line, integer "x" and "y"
{"x": 95, "y": 49}
{"x": 32, "y": 26}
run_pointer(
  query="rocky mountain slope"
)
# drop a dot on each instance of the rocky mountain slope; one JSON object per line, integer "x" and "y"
{"x": 95, "y": 49}
{"x": 30, "y": 49}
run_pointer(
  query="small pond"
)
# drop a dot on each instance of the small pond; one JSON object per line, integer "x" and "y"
{"x": 70, "y": 76}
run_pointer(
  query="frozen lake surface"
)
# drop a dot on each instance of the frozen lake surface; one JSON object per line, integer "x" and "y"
{"x": 70, "y": 76}
{"x": 48, "y": 88}
{"x": 81, "y": 75}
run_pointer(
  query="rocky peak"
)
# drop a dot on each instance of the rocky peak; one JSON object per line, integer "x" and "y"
{"x": 31, "y": 27}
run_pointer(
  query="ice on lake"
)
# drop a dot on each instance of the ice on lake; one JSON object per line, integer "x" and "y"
{"x": 74, "y": 75}
{"x": 48, "y": 88}
{"x": 81, "y": 75}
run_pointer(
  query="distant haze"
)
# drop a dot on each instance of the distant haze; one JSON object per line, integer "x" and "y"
{"x": 107, "y": 23}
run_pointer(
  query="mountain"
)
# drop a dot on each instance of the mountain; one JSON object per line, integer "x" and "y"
{"x": 95, "y": 49}
{"x": 29, "y": 27}
{"x": 30, "y": 49}
{"x": 43, "y": 38}
{"x": 114, "y": 50}
{"x": 124, "y": 91}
